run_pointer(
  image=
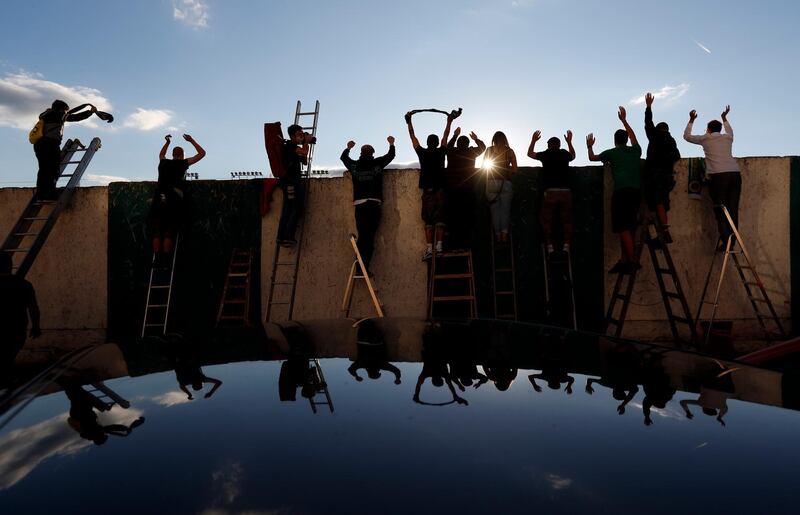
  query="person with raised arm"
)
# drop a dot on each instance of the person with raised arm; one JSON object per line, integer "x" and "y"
{"x": 659, "y": 173}
{"x": 432, "y": 183}
{"x": 460, "y": 187}
{"x": 367, "y": 176}
{"x": 722, "y": 170}
{"x": 623, "y": 160}
{"x": 168, "y": 210}
{"x": 557, "y": 186}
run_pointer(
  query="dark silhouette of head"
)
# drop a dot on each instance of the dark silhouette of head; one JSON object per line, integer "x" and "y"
{"x": 373, "y": 373}
{"x": 197, "y": 385}
{"x": 59, "y": 105}
{"x": 465, "y": 380}
{"x": 177, "y": 153}
{"x": 367, "y": 151}
{"x": 711, "y": 412}
{"x": 621, "y": 137}
{"x": 619, "y": 394}
{"x": 662, "y": 126}
{"x": 6, "y": 263}
{"x": 437, "y": 381}
{"x": 462, "y": 142}
{"x": 553, "y": 384}
{"x": 433, "y": 141}
{"x": 295, "y": 133}
{"x": 554, "y": 143}
{"x": 714, "y": 126}
{"x": 500, "y": 140}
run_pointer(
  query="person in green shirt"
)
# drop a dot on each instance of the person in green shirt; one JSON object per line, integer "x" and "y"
{"x": 624, "y": 162}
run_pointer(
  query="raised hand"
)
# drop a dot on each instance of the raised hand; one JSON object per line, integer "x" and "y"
{"x": 692, "y": 115}
{"x": 390, "y": 139}
{"x": 168, "y": 137}
{"x": 351, "y": 144}
{"x": 648, "y": 99}
{"x": 725, "y": 112}
{"x": 622, "y": 113}
{"x": 590, "y": 140}
{"x": 536, "y": 136}
{"x": 188, "y": 138}
{"x": 568, "y": 136}
{"x": 408, "y": 117}
{"x": 473, "y": 136}
{"x": 457, "y": 132}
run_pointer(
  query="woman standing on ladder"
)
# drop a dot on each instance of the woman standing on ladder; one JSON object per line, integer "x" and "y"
{"x": 500, "y": 164}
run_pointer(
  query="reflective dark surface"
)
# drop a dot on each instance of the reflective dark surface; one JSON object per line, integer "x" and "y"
{"x": 485, "y": 417}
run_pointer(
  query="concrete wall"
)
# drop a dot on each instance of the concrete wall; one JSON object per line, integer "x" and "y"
{"x": 70, "y": 274}
{"x": 764, "y": 226}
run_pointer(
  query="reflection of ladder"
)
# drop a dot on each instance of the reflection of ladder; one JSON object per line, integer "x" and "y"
{"x": 321, "y": 388}
{"x": 457, "y": 293}
{"x": 558, "y": 273}
{"x": 754, "y": 287}
{"x": 234, "y": 307}
{"x": 159, "y": 296}
{"x": 668, "y": 283}
{"x": 504, "y": 279}
{"x": 29, "y": 234}
{"x": 357, "y": 272}
{"x": 105, "y": 397}
{"x": 286, "y": 261}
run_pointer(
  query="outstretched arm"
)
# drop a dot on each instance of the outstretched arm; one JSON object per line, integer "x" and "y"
{"x": 76, "y": 117}
{"x": 216, "y": 382}
{"x": 532, "y": 147}
{"x": 414, "y": 140}
{"x": 456, "y": 134}
{"x": 345, "y": 157}
{"x": 649, "y": 128}
{"x": 481, "y": 144}
{"x": 163, "y": 153}
{"x": 590, "y": 146}
{"x": 200, "y": 152}
{"x": 568, "y": 138}
{"x": 387, "y": 158}
{"x": 623, "y": 117}
{"x": 446, "y": 133}
{"x": 394, "y": 370}
{"x": 687, "y": 132}
{"x": 728, "y": 129}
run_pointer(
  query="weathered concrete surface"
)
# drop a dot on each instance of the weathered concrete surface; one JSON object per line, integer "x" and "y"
{"x": 764, "y": 221}
{"x": 70, "y": 273}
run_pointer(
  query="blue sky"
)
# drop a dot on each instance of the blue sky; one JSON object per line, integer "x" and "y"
{"x": 220, "y": 69}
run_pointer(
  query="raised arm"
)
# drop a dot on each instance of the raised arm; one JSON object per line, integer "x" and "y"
{"x": 216, "y": 382}
{"x": 452, "y": 142}
{"x": 532, "y": 147}
{"x": 393, "y": 370}
{"x": 687, "y": 132}
{"x": 345, "y": 157}
{"x": 590, "y": 146}
{"x": 414, "y": 140}
{"x": 481, "y": 144}
{"x": 568, "y": 138}
{"x": 387, "y": 158}
{"x": 649, "y": 128}
{"x": 623, "y": 117}
{"x": 446, "y": 133}
{"x": 725, "y": 124}
{"x": 200, "y": 152}
{"x": 74, "y": 116}
{"x": 163, "y": 153}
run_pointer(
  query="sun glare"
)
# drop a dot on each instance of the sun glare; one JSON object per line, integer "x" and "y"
{"x": 487, "y": 165}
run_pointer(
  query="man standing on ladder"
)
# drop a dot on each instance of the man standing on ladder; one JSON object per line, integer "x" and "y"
{"x": 48, "y": 145}
{"x": 557, "y": 184}
{"x": 367, "y": 175}
{"x": 167, "y": 212}
{"x": 460, "y": 187}
{"x": 722, "y": 170}
{"x": 627, "y": 197}
{"x": 659, "y": 174}
{"x": 431, "y": 182}
{"x": 295, "y": 154}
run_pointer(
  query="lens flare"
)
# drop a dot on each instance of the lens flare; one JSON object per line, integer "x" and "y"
{"x": 487, "y": 165}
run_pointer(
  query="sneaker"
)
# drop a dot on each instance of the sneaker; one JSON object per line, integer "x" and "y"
{"x": 427, "y": 255}
{"x": 439, "y": 247}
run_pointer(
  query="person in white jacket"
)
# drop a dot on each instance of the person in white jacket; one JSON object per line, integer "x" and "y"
{"x": 722, "y": 170}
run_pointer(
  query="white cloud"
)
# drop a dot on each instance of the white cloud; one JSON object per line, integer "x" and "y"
{"x": 191, "y": 12}
{"x": 148, "y": 119}
{"x": 557, "y": 482}
{"x": 171, "y": 398}
{"x": 103, "y": 180}
{"x": 23, "y": 96}
{"x": 667, "y": 93}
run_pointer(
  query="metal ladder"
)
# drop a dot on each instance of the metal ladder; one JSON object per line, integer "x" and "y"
{"x": 29, "y": 234}
{"x": 754, "y": 287}
{"x": 290, "y": 265}
{"x": 556, "y": 274}
{"x": 664, "y": 268}
{"x": 234, "y": 307}
{"x": 358, "y": 265}
{"x": 322, "y": 388}
{"x": 159, "y": 296}
{"x": 450, "y": 277}
{"x": 106, "y": 397}
{"x": 511, "y": 278}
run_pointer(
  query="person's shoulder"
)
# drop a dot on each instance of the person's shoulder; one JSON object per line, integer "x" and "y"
{"x": 635, "y": 149}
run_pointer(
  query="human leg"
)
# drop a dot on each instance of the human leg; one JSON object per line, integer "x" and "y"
{"x": 546, "y": 215}
{"x": 48, "y": 155}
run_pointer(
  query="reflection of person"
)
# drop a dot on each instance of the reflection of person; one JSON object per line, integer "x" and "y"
{"x": 557, "y": 186}
{"x": 714, "y": 394}
{"x": 83, "y": 419}
{"x": 367, "y": 174}
{"x": 17, "y": 301}
{"x": 623, "y": 160}
{"x": 621, "y": 374}
{"x": 434, "y": 367}
{"x": 298, "y": 370}
{"x": 168, "y": 209}
{"x": 188, "y": 373}
{"x": 554, "y": 377}
{"x": 501, "y": 164}
{"x": 432, "y": 183}
{"x": 722, "y": 170}
{"x": 48, "y": 146}
{"x": 295, "y": 155}
{"x": 371, "y": 355}
{"x": 657, "y": 386}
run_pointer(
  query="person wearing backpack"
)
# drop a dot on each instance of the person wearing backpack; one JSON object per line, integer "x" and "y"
{"x": 46, "y": 139}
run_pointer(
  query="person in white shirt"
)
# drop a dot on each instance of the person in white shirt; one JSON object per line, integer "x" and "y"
{"x": 722, "y": 170}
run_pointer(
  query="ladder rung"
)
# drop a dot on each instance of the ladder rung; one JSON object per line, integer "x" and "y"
{"x": 17, "y": 250}
{"x": 283, "y": 283}
{"x": 451, "y": 254}
{"x": 154, "y": 325}
{"x": 612, "y": 321}
{"x": 452, "y": 276}
{"x": 159, "y": 286}
{"x": 665, "y": 271}
{"x": 278, "y": 303}
{"x": 453, "y": 298}
{"x": 306, "y": 114}
{"x": 672, "y": 295}
{"x": 225, "y": 317}
{"x": 71, "y": 162}
{"x": 682, "y": 320}
{"x": 43, "y": 202}
{"x": 759, "y": 299}
{"x": 745, "y": 267}
{"x": 238, "y": 274}
{"x": 26, "y": 234}
{"x": 619, "y": 296}
{"x": 236, "y": 286}
{"x": 284, "y": 263}
{"x": 235, "y": 301}
{"x": 150, "y": 306}
{"x": 36, "y": 218}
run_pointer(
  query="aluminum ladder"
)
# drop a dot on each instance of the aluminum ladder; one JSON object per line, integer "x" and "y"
{"x": 234, "y": 307}
{"x": 286, "y": 261}
{"x": 29, "y": 234}
{"x": 357, "y": 272}
{"x": 321, "y": 388}
{"x": 159, "y": 296}
{"x": 503, "y": 266}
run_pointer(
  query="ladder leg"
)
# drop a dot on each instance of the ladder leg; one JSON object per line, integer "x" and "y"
{"x": 725, "y": 258}
{"x": 348, "y": 292}
{"x": 572, "y": 292}
{"x": 474, "y": 301}
{"x": 705, "y": 286}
